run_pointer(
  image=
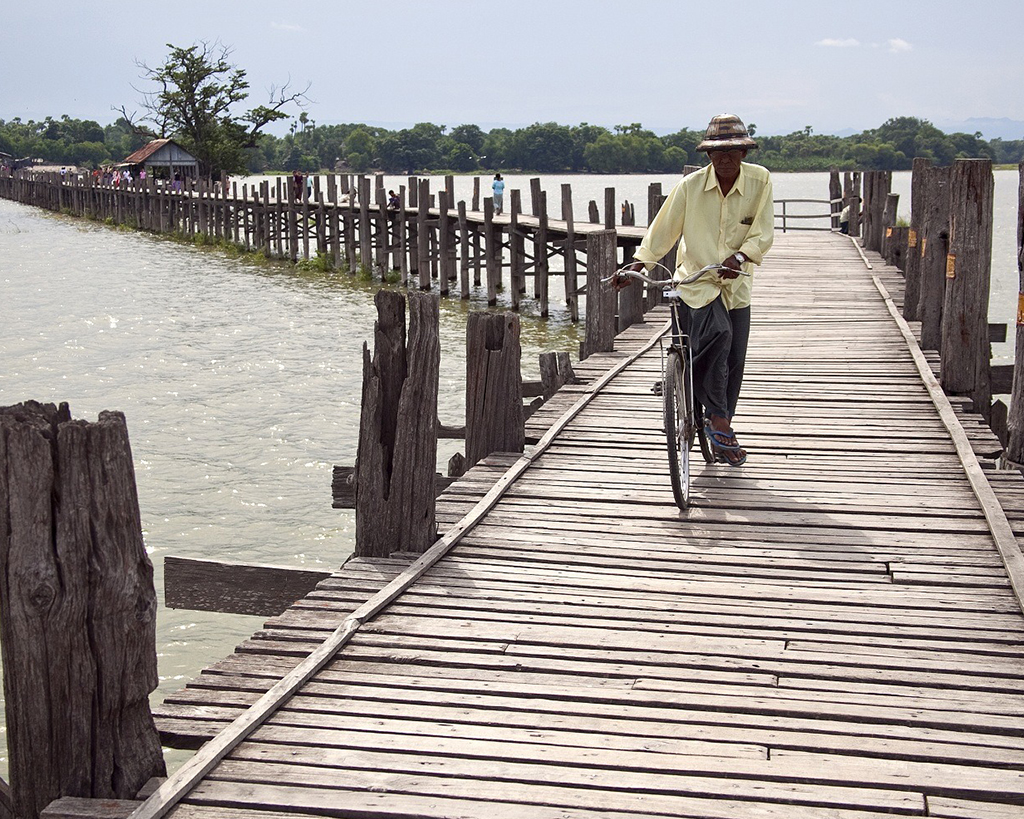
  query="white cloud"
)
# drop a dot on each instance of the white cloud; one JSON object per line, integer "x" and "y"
{"x": 898, "y": 46}
{"x": 849, "y": 42}
{"x": 287, "y": 27}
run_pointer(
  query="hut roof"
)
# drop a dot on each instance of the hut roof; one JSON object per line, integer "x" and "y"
{"x": 147, "y": 151}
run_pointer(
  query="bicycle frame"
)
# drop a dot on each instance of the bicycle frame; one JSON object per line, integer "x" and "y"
{"x": 680, "y": 340}
{"x": 683, "y": 422}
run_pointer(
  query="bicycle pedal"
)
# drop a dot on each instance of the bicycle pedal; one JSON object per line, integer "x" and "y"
{"x": 657, "y": 389}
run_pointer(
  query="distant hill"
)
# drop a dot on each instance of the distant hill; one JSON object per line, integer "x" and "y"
{"x": 990, "y": 127}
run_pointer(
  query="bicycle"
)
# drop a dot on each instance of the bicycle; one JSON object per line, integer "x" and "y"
{"x": 682, "y": 414}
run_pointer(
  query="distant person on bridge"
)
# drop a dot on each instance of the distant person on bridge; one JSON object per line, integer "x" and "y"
{"x": 498, "y": 186}
{"x": 721, "y": 214}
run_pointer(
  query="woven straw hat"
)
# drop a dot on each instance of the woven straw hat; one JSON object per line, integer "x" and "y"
{"x": 725, "y": 132}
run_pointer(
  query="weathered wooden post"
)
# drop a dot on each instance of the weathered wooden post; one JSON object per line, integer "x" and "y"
{"x": 494, "y": 386}
{"x": 382, "y": 249}
{"x": 463, "y": 222}
{"x": 540, "y": 260}
{"x": 866, "y": 230}
{"x": 889, "y": 211}
{"x": 412, "y": 240}
{"x": 292, "y": 228}
{"x": 912, "y": 260}
{"x": 304, "y": 217}
{"x": 539, "y": 249}
{"x": 492, "y": 254}
{"x": 933, "y": 245}
{"x": 333, "y": 221}
{"x": 77, "y": 610}
{"x": 348, "y": 218}
{"x": 423, "y": 234}
{"x": 571, "y": 285}
{"x": 855, "y": 202}
{"x": 965, "y": 344}
{"x": 1015, "y": 421}
{"x": 477, "y": 248}
{"x": 399, "y": 248}
{"x": 897, "y": 254}
{"x": 397, "y": 454}
{"x": 655, "y": 199}
{"x": 365, "y": 228}
{"x": 444, "y": 243}
{"x": 835, "y": 195}
{"x": 875, "y": 190}
{"x": 555, "y": 371}
{"x": 883, "y": 184}
{"x": 601, "y": 298}
{"x": 516, "y": 249}
{"x": 264, "y": 215}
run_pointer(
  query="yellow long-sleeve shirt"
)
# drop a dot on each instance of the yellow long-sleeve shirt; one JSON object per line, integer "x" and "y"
{"x": 711, "y": 227}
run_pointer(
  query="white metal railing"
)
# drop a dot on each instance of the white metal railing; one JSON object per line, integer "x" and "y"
{"x": 786, "y": 217}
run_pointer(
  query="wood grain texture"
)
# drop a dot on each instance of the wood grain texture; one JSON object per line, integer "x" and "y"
{"x": 395, "y": 499}
{"x": 494, "y": 385}
{"x": 77, "y": 609}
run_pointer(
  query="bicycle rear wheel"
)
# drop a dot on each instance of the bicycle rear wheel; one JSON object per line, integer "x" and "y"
{"x": 680, "y": 425}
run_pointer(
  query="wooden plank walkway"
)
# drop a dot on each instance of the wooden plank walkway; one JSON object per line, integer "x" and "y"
{"x": 830, "y": 632}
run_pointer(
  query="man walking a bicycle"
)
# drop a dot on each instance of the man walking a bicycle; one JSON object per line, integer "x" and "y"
{"x": 720, "y": 215}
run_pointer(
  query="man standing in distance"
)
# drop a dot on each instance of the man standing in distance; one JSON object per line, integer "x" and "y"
{"x": 721, "y": 214}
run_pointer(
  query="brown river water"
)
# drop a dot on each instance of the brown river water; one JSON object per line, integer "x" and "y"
{"x": 241, "y": 382}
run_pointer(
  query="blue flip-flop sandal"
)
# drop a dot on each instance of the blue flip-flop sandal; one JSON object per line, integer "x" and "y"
{"x": 718, "y": 443}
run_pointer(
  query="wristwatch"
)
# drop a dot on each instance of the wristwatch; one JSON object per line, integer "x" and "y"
{"x": 740, "y": 257}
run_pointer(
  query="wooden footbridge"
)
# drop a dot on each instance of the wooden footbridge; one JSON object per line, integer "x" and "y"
{"x": 833, "y": 631}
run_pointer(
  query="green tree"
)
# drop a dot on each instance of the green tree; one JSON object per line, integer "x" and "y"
{"x": 546, "y": 147}
{"x": 470, "y": 135}
{"x": 686, "y": 140}
{"x": 198, "y": 92}
{"x": 360, "y": 143}
{"x": 605, "y": 154}
{"x": 673, "y": 159}
{"x": 497, "y": 149}
{"x": 583, "y": 135}
{"x": 413, "y": 149}
{"x": 461, "y": 157}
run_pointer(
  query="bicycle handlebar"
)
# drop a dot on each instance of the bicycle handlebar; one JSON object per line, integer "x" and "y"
{"x": 634, "y": 274}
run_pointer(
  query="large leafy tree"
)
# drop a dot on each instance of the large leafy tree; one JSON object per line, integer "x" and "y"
{"x": 412, "y": 149}
{"x": 197, "y": 99}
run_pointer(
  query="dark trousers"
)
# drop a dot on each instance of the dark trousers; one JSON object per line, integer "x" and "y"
{"x": 718, "y": 339}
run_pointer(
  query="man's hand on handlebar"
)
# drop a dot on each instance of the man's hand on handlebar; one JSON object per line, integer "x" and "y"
{"x": 734, "y": 265}
{"x": 621, "y": 281}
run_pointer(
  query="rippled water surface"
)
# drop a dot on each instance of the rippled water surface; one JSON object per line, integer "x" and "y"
{"x": 241, "y": 382}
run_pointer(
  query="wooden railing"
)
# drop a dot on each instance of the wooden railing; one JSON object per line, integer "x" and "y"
{"x": 831, "y": 214}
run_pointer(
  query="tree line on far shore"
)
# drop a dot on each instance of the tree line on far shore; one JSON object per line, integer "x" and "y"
{"x": 541, "y": 147}
{"x": 196, "y": 93}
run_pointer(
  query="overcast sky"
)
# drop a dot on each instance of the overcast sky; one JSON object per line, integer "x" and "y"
{"x": 667, "y": 64}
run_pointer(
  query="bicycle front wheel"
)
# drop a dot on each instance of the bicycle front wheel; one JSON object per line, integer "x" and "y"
{"x": 680, "y": 425}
